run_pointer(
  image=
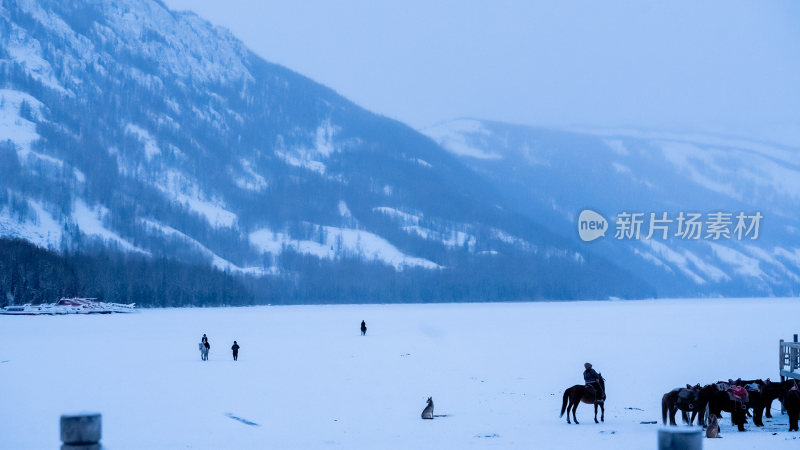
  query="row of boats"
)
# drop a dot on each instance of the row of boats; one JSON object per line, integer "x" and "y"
{"x": 74, "y": 305}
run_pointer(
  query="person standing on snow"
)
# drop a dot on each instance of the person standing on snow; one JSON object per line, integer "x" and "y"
{"x": 235, "y": 348}
{"x": 363, "y": 328}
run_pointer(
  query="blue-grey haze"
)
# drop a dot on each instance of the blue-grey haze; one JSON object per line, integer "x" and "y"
{"x": 719, "y": 66}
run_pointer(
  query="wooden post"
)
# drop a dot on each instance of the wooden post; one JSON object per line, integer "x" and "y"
{"x": 680, "y": 438}
{"x": 780, "y": 358}
{"x": 81, "y": 431}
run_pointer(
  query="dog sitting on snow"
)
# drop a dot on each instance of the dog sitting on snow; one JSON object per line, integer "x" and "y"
{"x": 712, "y": 431}
{"x": 427, "y": 413}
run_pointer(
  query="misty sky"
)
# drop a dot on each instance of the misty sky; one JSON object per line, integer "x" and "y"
{"x": 730, "y": 67}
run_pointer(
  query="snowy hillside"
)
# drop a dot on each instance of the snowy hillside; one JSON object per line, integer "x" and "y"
{"x": 306, "y": 379}
{"x": 129, "y": 126}
{"x": 552, "y": 175}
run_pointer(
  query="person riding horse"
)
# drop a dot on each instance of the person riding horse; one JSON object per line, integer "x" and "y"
{"x": 592, "y": 379}
{"x": 591, "y": 393}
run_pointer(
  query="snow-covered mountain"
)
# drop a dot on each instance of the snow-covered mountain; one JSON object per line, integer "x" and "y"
{"x": 127, "y": 125}
{"x": 552, "y": 175}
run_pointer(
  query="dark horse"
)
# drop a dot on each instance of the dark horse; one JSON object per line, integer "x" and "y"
{"x": 586, "y": 394}
{"x": 792, "y": 405}
{"x": 720, "y": 401}
{"x": 774, "y": 391}
{"x": 691, "y": 399}
{"x": 756, "y": 398}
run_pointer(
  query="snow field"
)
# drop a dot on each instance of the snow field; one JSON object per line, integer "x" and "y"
{"x": 308, "y": 379}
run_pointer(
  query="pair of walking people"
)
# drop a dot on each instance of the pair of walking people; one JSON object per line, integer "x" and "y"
{"x": 205, "y": 346}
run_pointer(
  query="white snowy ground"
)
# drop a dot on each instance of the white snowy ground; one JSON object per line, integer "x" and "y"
{"x": 310, "y": 381}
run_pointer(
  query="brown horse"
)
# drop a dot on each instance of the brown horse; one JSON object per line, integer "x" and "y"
{"x": 691, "y": 399}
{"x": 581, "y": 393}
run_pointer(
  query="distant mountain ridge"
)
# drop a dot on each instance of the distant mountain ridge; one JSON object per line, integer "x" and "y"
{"x": 551, "y": 175}
{"x": 128, "y": 126}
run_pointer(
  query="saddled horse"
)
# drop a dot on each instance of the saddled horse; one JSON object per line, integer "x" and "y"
{"x": 722, "y": 399}
{"x": 755, "y": 390}
{"x": 582, "y": 393}
{"x": 755, "y": 398}
{"x": 691, "y": 399}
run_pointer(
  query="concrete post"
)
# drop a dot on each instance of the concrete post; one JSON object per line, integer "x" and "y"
{"x": 680, "y": 438}
{"x": 81, "y": 431}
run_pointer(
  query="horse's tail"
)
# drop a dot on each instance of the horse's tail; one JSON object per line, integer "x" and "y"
{"x": 564, "y": 403}
{"x": 664, "y": 409}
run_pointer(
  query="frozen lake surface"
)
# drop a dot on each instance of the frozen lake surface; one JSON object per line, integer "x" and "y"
{"x": 306, "y": 379}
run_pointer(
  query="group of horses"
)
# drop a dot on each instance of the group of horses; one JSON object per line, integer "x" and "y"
{"x": 736, "y": 397}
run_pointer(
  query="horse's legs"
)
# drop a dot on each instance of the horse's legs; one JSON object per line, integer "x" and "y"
{"x": 575, "y": 408}
{"x": 672, "y": 411}
{"x": 758, "y": 412}
{"x": 603, "y": 411}
{"x": 700, "y": 413}
{"x": 738, "y": 410}
{"x": 595, "y": 413}
{"x": 569, "y": 406}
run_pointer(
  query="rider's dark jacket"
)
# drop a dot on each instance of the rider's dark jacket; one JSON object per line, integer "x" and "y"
{"x": 590, "y": 376}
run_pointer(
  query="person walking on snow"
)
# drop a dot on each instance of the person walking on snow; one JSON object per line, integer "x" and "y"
{"x": 592, "y": 379}
{"x": 235, "y": 348}
{"x": 363, "y": 328}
